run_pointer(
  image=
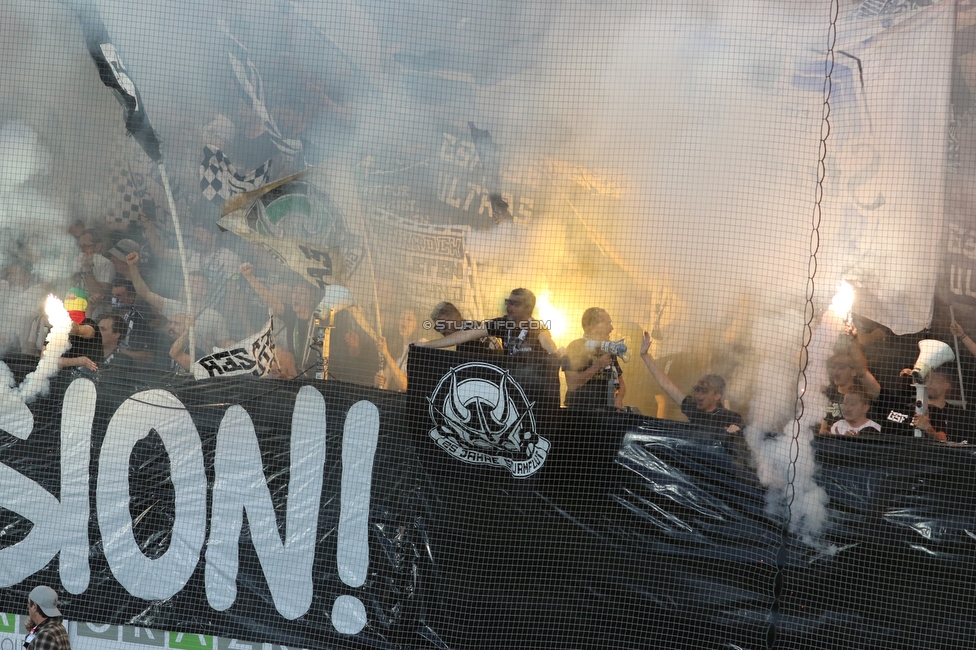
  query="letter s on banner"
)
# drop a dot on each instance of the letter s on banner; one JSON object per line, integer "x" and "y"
{"x": 58, "y": 526}
{"x": 141, "y": 576}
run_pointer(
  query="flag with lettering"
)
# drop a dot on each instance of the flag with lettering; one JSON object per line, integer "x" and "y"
{"x": 256, "y": 355}
{"x": 300, "y": 225}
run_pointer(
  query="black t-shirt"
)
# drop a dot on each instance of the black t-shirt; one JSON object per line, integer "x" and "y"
{"x": 517, "y": 337}
{"x": 716, "y": 422}
{"x": 596, "y": 392}
{"x": 301, "y": 338}
{"x": 82, "y": 347}
{"x": 138, "y": 335}
{"x": 835, "y": 401}
{"x": 117, "y": 359}
{"x": 897, "y": 420}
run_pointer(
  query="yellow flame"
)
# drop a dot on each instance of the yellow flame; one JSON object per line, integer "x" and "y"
{"x": 552, "y": 317}
{"x": 57, "y": 315}
{"x": 843, "y": 300}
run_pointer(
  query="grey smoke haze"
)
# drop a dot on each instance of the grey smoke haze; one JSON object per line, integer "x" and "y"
{"x": 679, "y": 106}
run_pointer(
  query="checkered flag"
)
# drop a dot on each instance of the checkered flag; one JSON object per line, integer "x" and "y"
{"x": 129, "y": 195}
{"x": 219, "y": 177}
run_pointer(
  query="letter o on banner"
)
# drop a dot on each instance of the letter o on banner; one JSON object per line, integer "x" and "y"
{"x": 141, "y": 576}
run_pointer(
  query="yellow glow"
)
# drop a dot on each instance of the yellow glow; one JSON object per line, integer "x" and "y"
{"x": 843, "y": 300}
{"x": 57, "y": 315}
{"x": 554, "y": 318}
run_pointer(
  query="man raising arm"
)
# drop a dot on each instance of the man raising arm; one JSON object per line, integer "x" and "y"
{"x": 704, "y": 407}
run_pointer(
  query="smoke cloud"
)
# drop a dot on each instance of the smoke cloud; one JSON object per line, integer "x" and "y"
{"x": 15, "y": 417}
{"x": 657, "y": 160}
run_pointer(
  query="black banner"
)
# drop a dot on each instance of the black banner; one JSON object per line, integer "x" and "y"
{"x": 470, "y": 512}
{"x": 247, "y": 509}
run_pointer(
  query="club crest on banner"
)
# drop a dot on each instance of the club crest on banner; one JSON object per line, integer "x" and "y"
{"x": 482, "y": 416}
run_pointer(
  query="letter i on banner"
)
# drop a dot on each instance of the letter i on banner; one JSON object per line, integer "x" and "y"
{"x": 359, "y": 438}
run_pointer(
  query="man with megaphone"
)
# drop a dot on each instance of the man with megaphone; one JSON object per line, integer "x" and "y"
{"x": 594, "y": 378}
{"x": 943, "y": 421}
{"x": 931, "y": 415}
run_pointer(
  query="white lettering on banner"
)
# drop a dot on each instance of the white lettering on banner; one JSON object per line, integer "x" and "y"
{"x": 58, "y": 526}
{"x": 464, "y": 155}
{"x": 360, "y": 436}
{"x": 956, "y": 281}
{"x": 77, "y": 415}
{"x": 471, "y": 197}
{"x": 163, "y": 577}
{"x": 239, "y": 487}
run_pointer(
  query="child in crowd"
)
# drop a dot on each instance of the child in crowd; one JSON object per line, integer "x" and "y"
{"x": 855, "y": 408}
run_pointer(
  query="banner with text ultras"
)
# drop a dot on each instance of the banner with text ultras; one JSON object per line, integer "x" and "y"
{"x": 133, "y": 503}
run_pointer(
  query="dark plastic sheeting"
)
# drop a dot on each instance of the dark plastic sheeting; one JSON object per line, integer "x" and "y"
{"x": 636, "y": 533}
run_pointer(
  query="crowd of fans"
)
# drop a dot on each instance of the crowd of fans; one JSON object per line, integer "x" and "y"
{"x": 129, "y": 293}
{"x": 132, "y": 309}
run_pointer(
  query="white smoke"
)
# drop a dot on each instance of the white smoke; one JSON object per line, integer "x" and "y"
{"x": 779, "y": 435}
{"x": 38, "y": 382}
{"x": 15, "y": 417}
{"x": 686, "y": 102}
{"x": 32, "y": 225}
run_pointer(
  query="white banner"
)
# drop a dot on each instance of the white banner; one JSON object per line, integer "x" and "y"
{"x": 255, "y": 355}
{"x": 886, "y": 162}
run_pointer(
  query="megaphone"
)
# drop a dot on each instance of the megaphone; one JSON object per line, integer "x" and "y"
{"x": 932, "y": 355}
{"x": 615, "y": 348}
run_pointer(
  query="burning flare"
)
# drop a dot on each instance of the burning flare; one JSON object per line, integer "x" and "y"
{"x": 843, "y": 300}
{"x": 57, "y": 315}
{"x": 15, "y": 418}
{"x": 37, "y": 382}
{"x": 552, "y": 317}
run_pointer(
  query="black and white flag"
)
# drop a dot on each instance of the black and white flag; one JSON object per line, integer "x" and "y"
{"x": 219, "y": 177}
{"x": 252, "y": 87}
{"x": 113, "y": 74}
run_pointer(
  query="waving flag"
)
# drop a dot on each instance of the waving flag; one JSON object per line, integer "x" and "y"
{"x": 252, "y": 88}
{"x": 255, "y": 355}
{"x": 219, "y": 177}
{"x": 113, "y": 74}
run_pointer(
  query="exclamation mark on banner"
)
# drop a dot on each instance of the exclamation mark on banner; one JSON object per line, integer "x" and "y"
{"x": 359, "y": 437}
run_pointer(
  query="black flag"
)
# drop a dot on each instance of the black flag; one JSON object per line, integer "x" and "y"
{"x": 113, "y": 74}
{"x": 488, "y": 153}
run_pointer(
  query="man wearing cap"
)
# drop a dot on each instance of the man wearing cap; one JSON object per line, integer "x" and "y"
{"x": 48, "y": 632}
{"x": 117, "y": 256}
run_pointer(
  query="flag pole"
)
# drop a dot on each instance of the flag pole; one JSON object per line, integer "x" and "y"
{"x": 376, "y": 295}
{"x": 955, "y": 339}
{"x": 183, "y": 264}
